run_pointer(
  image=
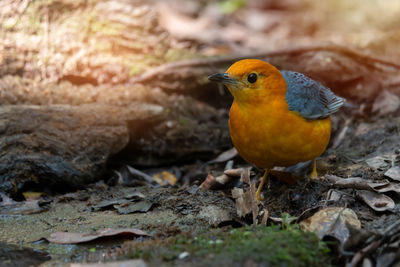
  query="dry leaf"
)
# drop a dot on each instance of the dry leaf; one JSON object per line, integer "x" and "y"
{"x": 385, "y": 186}
{"x": 246, "y": 202}
{"x": 333, "y": 222}
{"x": 242, "y": 200}
{"x": 141, "y": 206}
{"x": 75, "y": 238}
{"x": 393, "y": 173}
{"x": 378, "y": 202}
{"x": 378, "y": 162}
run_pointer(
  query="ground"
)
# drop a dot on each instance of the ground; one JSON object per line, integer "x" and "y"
{"x": 118, "y": 93}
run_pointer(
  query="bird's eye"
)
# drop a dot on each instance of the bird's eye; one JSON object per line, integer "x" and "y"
{"x": 252, "y": 78}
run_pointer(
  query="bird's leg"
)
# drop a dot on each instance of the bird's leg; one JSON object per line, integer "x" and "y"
{"x": 258, "y": 193}
{"x": 314, "y": 174}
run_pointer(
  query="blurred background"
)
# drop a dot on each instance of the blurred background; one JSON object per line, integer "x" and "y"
{"x": 110, "y": 42}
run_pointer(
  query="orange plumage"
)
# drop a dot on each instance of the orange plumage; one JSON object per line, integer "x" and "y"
{"x": 272, "y": 123}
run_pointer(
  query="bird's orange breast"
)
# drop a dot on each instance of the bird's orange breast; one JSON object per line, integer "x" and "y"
{"x": 268, "y": 134}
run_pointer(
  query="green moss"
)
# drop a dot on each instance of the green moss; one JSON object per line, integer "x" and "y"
{"x": 267, "y": 245}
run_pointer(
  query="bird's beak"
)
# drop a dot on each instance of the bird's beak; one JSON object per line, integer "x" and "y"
{"x": 223, "y": 78}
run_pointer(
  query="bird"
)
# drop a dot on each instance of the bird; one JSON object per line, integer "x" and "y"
{"x": 277, "y": 118}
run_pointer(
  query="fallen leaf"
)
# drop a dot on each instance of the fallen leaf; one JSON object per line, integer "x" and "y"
{"x": 379, "y": 162}
{"x": 224, "y": 156}
{"x": 110, "y": 203}
{"x": 332, "y": 221}
{"x": 164, "y": 178}
{"x": 385, "y": 186}
{"x": 246, "y": 202}
{"x": 141, "y": 206}
{"x": 130, "y": 263}
{"x": 76, "y": 238}
{"x": 242, "y": 200}
{"x": 135, "y": 196}
{"x": 393, "y": 173}
{"x": 378, "y": 202}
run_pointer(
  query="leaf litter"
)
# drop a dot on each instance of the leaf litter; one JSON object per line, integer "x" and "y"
{"x": 75, "y": 238}
{"x": 365, "y": 180}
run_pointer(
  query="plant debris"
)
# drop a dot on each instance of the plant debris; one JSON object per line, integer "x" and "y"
{"x": 333, "y": 222}
{"x": 378, "y": 202}
{"x": 75, "y": 238}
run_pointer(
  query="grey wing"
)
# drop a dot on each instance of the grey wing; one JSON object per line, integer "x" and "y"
{"x": 309, "y": 98}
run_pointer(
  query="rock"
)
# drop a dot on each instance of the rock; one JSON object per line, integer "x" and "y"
{"x": 215, "y": 215}
{"x": 62, "y": 145}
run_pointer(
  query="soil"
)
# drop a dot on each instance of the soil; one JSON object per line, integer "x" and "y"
{"x": 184, "y": 126}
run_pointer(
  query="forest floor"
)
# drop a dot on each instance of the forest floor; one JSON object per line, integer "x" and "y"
{"x": 168, "y": 189}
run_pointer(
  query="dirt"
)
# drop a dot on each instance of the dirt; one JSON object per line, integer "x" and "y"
{"x": 110, "y": 60}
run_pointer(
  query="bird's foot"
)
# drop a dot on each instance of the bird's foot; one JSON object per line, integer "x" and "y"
{"x": 314, "y": 174}
{"x": 258, "y": 192}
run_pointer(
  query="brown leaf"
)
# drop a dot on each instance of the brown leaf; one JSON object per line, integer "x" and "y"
{"x": 76, "y": 238}
{"x": 378, "y": 202}
{"x": 333, "y": 222}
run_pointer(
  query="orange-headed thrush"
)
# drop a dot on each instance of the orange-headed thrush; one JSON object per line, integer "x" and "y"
{"x": 278, "y": 118}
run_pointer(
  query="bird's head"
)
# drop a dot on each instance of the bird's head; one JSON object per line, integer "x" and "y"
{"x": 251, "y": 80}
